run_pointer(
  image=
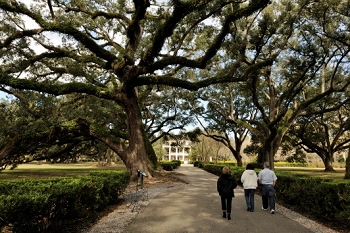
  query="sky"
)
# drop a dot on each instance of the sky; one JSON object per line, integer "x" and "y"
{"x": 30, "y": 24}
{"x": 2, "y": 95}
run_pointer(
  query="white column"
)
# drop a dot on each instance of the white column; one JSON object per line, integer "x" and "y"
{"x": 169, "y": 156}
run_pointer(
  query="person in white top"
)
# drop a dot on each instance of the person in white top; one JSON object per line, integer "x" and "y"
{"x": 249, "y": 180}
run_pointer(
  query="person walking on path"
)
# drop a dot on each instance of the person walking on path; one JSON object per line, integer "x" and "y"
{"x": 225, "y": 186}
{"x": 267, "y": 178}
{"x": 194, "y": 207}
{"x": 249, "y": 180}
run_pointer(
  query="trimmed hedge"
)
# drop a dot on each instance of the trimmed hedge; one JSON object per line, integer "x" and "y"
{"x": 322, "y": 198}
{"x": 32, "y": 205}
{"x": 217, "y": 170}
{"x": 170, "y": 165}
{"x": 198, "y": 164}
{"x": 178, "y": 162}
{"x": 288, "y": 164}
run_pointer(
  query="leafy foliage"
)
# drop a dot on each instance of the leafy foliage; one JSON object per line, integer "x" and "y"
{"x": 33, "y": 205}
{"x": 116, "y": 51}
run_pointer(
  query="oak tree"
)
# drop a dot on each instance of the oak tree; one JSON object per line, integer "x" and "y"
{"x": 109, "y": 49}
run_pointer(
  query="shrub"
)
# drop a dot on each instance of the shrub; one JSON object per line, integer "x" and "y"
{"x": 196, "y": 163}
{"x": 322, "y": 198}
{"x": 32, "y": 205}
{"x": 290, "y": 164}
{"x": 213, "y": 168}
{"x": 169, "y": 165}
{"x": 178, "y": 162}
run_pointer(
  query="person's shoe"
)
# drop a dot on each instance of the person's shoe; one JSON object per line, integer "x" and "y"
{"x": 248, "y": 209}
{"x": 272, "y": 211}
{"x": 224, "y": 215}
{"x": 251, "y": 210}
{"x": 228, "y": 216}
{"x": 263, "y": 208}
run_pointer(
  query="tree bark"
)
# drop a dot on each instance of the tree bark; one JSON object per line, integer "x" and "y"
{"x": 237, "y": 155}
{"x": 327, "y": 160}
{"x": 137, "y": 153}
{"x": 136, "y": 157}
{"x": 347, "y": 167}
{"x": 270, "y": 149}
{"x": 238, "y": 143}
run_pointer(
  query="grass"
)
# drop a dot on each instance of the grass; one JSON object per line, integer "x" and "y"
{"x": 35, "y": 171}
{"x": 314, "y": 172}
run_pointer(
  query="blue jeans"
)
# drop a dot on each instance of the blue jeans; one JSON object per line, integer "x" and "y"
{"x": 249, "y": 198}
{"x": 268, "y": 196}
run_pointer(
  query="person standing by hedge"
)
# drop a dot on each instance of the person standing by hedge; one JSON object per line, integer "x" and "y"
{"x": 267, "y": 178}
{"x": 249, "y": 180}
{"x": 225, "y": 186}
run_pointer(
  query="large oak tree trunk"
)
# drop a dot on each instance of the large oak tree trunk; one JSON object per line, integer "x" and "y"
{"x": 238, "y": 144}
{"x": 136, "y": 156}
{"x": 327, "y": 160}
{"x": 270, "y": 149}
{"x": 267, "y": 154}
{"x": 236, "y": 153}
{"x": 270, "y": 156}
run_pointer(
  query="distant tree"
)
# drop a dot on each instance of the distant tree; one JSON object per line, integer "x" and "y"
{"x": 286, "y": 89}
{"x": 220, "y": 106}
{"x": 159, "y": 150}
{"x": 254, "y": 149}
{"x": 202, "y": 149}
{"x": 193, "y": 155}
{"x": 325, "y": 133}
{"x": 298, "y": 156}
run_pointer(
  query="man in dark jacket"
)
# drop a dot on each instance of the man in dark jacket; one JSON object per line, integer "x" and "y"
{"x": 225, "y": 185}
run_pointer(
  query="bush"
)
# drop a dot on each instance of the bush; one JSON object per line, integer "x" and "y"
{"x": 217, "y": 170}
{"x": 257, "y": 165}
{"x": 169, "y": 165}
{"x": 198, "y": 164}
{"x": 213, "y": 168}
{"x": 322, "y": 198}
{"x": 178, "y": 162}
{"x": 228, "y": 164}
{"x": 289, "y": 164}
{"x": 32, "y": 205}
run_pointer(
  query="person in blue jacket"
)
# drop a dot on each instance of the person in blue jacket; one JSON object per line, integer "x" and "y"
{"x": 225, "y": 186}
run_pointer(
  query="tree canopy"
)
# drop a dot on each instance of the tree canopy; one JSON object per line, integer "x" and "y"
{"x": 122, "y": 64}
{"x": 310, "y": 66}
{"x": 109, "y": 49}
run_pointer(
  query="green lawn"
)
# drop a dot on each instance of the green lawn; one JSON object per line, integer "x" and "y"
{"x": 315, "y": 172}
{"x": 33, "y": 170}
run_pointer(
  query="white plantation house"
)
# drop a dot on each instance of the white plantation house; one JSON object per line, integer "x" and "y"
{"x": 177, "y": 150}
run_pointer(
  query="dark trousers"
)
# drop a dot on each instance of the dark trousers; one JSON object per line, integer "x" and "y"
{"x": 226, "y": 203}
{"x": 268, "y": 196}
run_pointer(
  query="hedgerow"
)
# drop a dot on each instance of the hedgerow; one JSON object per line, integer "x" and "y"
{"x": 33, "y": 205}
